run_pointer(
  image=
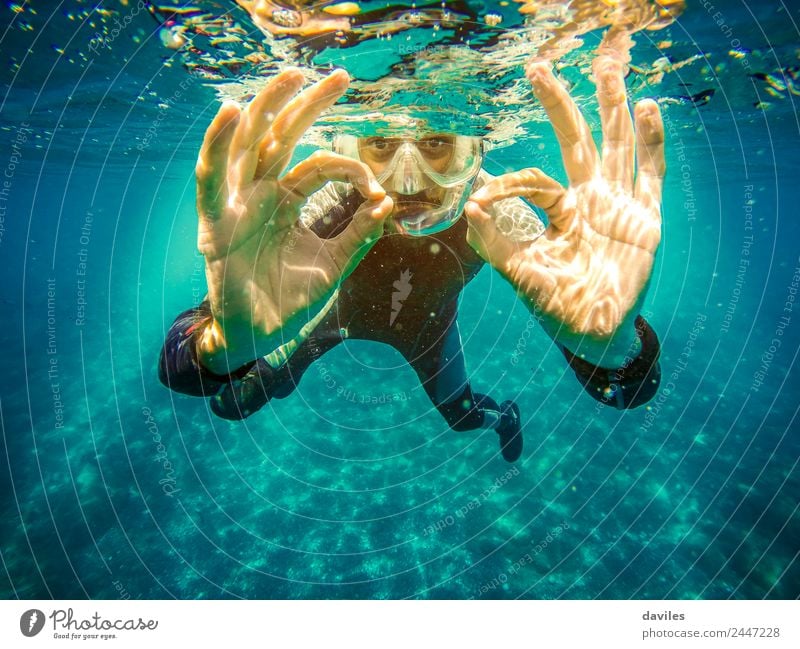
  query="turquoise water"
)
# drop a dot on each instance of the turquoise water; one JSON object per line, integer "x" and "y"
{"x": 354, "y": 487}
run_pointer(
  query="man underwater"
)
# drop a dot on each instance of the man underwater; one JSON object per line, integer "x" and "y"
{"x": 293, "y": 260}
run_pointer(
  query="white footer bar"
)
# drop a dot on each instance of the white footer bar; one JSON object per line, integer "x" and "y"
{"x": 400, "y": 624}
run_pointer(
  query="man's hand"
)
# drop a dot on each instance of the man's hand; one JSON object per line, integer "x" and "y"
{"x": 267, "y": 274}
{"x": 585, "y": 277}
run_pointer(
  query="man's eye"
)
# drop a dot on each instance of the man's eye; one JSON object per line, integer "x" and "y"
{"x": 435, "y": 146}
{"x": 377, "y": 143}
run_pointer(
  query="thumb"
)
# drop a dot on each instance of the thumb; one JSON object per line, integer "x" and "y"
{"x": 486, "y": 239}
{"x": 366, "y": 227}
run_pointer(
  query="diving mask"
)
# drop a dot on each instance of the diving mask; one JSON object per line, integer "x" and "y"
{"x": 429, "y": 179}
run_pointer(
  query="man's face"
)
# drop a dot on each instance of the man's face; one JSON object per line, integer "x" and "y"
{"x": 396, "y": 163}
{"x": 428, "y": 178}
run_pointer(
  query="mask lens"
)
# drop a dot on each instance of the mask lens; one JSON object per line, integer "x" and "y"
{"x": 378, "y": 150}
{"x": 445, "y": 160}
{"x": 438, "y": 152}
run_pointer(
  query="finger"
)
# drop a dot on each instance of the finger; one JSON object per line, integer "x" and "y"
{"x": 650, "y": 153}
{"x": 295, "y": 119}
{"x": 321, "y": 167}
{"x": 578, "y": 151}
{"x": 532, "y": 184}
{"x": 259, "y": 115}
{"x": 365, "y": 228}
{"x": 615, "y": 115}
{"x": 487, "y": 240}
{"x": 212, "y": 162}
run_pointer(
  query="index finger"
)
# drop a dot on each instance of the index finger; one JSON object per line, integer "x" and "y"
{"x": 581, "y": 160}
{"x": 322, "y": 167}
{"x": 295, "y": 119}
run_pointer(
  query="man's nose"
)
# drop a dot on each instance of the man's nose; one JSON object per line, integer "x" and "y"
{"x": 411, "y": 180}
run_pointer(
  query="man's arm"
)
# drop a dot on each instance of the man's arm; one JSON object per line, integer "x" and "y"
{"x": 585, "y": 279}
{"x": 327, "y": 213}
{"x": 267, "y": 274}
{"x": 632, "y": 384}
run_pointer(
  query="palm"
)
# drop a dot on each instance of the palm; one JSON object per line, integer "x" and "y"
{"x": 252, "y": 262}
{"x": 586, "y": 275}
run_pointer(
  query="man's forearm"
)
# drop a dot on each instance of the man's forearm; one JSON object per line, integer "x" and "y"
{"x": 612, "y": 353}
{"x": 179, "y": 366}
{"x": 629, "y": 384}
{"x": 216, "y": 353}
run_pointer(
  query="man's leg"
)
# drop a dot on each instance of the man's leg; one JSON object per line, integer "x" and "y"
{"x": 439, "y": 364}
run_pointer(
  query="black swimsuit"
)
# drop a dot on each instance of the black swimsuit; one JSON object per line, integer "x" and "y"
{"x": 403, "y": 293}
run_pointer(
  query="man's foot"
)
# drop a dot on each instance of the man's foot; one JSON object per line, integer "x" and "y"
{"x": 510, "y": 431}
